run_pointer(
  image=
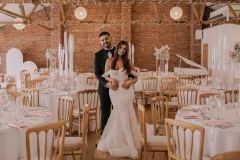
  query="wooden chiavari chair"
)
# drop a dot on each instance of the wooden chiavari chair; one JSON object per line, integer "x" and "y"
{"x": 92, "y": 80}
{"x": 34, "y": 96}
{"x": 186, "y": 81}
{"x": 164, "y": 86}
{"x": 26, "y": 99}
{"x": 91, "y": 98}
{"x": 11, "y": 88}
{"x": 179, "y": 134}
{"x": 231, "y": 96}
{"x": 159, "y": 111}
{"x": 233, "y": 155}
{"x": 150, "y": 143}
{"x": 203, "y": 97}
{"x": 34, "y": 83}
{"x": 65, "y": 112}
{"x": 12, "y": 91}
{"x": 25, "y": 77}
{"x": 53, "y": 135}
{"x": 150, "y": 87}
{"x": 44, "y": 75}
{"x": 78, "y": 145}
{"x": 187, "y": 96}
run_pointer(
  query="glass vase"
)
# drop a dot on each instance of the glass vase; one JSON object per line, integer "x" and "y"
{"x": 161, "y": 66}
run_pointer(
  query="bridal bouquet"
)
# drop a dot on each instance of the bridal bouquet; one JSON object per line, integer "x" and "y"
{"x": 162, "y": 53}
{"x": 235, "y": 54}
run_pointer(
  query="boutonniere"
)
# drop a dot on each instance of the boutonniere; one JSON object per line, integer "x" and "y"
{"x": 109, "y": 54}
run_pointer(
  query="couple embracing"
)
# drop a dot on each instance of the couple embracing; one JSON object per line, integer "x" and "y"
{"x": 116, "y": 75}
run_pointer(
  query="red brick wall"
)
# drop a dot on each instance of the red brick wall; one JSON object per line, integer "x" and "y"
{"x": 136, "y": 23}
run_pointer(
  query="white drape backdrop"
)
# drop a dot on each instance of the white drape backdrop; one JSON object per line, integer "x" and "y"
{"x": 221, "y": 40}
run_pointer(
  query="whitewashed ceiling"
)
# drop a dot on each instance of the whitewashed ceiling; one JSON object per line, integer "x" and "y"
{"x": 14, "y": 7}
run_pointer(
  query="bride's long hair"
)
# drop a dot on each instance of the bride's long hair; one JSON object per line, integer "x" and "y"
{"x": 125, "y": 59}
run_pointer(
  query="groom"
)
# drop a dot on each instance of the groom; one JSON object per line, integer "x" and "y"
{"x": 104, "y": 86}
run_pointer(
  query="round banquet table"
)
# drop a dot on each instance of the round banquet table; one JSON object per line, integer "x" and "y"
{"x": 222, "y": 131}
{"x": 49, "y": 99}
{"x": 12, "y": 136}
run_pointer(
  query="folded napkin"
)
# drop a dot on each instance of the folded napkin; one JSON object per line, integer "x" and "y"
{"x": 18, "y": 124}
{"x": 193, "y": 108}
{"x": 217, "y": 123}
{"x": 190, "y": 115}
{"x": 38, "y": 114}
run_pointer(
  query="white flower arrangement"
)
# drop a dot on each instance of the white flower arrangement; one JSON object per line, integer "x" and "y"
{"x": 162, "y": 53}
{"x": 235, "y": 53}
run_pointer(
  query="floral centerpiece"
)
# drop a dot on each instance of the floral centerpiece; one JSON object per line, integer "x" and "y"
{"x": 51, "y": 57}
{"x": 162, "y": 53}
{"x": 162, "y": 56}
{"x": 235, "y": 54}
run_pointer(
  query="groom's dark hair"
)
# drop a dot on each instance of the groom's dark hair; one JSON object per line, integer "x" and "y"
{"x": 104, "y": 33}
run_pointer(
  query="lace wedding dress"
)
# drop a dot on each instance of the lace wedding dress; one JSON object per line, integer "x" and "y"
{"x": 121, "y": 136}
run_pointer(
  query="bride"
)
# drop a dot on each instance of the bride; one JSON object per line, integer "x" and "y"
{"x": 121, "y": 136}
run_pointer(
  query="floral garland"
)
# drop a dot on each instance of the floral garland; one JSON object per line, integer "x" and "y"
{"x": 162, "y": 53}
{"x": 235, "y": 54}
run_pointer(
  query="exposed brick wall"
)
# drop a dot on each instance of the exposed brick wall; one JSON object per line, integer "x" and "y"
{"x": 147, "y": 26}
{"x": 32, "y": 41}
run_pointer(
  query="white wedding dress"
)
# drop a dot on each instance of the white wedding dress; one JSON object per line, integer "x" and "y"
{"x": 121, "y": 136}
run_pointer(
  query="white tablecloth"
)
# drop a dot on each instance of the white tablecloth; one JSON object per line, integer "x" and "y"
{"x": 218, "y": 140}
{"x": 12, "y": 140}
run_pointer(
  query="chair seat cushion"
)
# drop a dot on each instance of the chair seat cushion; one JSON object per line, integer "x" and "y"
{"x": 76, "y": 112}
{"x": 70, "y": 142}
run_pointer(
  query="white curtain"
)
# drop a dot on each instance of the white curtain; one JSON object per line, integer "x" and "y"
{"x": 220, "y": 40}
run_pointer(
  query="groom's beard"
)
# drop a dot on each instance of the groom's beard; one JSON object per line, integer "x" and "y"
{"x": 107, "y": 46}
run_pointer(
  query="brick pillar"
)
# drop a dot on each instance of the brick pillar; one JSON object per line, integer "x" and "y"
{"x": 126, "y": 21}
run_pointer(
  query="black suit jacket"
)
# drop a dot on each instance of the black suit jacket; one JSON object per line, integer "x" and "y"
{"x": 99, "y": 63}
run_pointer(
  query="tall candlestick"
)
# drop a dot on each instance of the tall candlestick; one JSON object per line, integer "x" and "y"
{"x": 66, "y": 53}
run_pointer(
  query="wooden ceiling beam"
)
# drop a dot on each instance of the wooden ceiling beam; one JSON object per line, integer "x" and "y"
{"x": 63, "y": 12}
{"x": 202, "y": 12}
{"x": 8, "y": 22}
{"x": 22, "y": 9}
{"x": 194, "y": 10}
{"x": 233, "y": 12}
{"x": 10, "y": 13}
{"x": 3, "y": 5}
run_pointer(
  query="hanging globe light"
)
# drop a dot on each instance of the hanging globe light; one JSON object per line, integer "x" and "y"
{"x": 176, "y": 13}
{"x": 18, "y": 23}
{"x": 80, "y": 13}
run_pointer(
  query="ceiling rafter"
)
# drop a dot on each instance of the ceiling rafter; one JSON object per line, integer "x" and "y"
{"x": 22, "y": 9}
{"x": 63, "y": 13}
{"x": 12, "y": 14}
{"x": 233, "y": 12}
{"x": 202, "y": 12}
{"x": 3, "y": 5}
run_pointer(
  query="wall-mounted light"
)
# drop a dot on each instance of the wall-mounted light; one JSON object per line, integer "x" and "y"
{"x": 80, "y": 13}
{"x": 18, "y": 23}
{"x": 176, "y": 13}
